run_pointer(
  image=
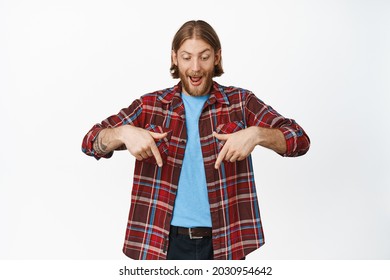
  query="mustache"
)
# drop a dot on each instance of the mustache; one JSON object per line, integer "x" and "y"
{"x": 195, "y": 74}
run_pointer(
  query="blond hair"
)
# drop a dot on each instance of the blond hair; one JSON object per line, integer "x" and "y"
{"x": 198, "y": 29}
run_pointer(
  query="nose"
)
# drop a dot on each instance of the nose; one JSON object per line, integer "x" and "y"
{"x": 195, "y": 65}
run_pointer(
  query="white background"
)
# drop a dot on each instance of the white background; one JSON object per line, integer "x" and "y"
{"x": 65, "y": 65}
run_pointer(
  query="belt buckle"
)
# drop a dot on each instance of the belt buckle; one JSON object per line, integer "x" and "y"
{"x": 193, "y": 237}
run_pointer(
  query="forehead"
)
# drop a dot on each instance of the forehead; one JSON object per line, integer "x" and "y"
{"x": 194, "y": 46}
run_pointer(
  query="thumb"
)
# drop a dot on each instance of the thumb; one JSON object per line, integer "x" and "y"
{"x": 158, "y": 136}
{"x": 222, "y": 137}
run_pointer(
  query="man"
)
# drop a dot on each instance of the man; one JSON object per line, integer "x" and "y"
{"x": 194, "y": 194}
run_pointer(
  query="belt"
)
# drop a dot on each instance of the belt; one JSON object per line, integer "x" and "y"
{"x": 193, "y": 233}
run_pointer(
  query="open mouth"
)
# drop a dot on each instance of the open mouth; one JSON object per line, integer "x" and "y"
{"x": 196, "y": 81}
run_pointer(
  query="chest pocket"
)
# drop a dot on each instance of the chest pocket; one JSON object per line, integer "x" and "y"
{"x": 162, "y": 144}
{"x": 228, "y": 128}
{"x": 176, "y": 151}
{"x": 171, "y": 148}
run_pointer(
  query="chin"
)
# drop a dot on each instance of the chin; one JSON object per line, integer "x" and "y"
{"x": 197, "y": 93}
{"x": 202, "y": 89}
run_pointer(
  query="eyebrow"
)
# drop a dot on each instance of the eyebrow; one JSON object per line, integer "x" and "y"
{"x": 199, "y": 53}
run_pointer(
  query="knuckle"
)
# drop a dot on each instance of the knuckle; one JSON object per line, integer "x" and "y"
{"x": 149, "y": 143}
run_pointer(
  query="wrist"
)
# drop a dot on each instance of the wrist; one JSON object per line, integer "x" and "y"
{"x": 260, "y": 133}
{"x": 121, "y": 132}
{"x": 118, "y": 134}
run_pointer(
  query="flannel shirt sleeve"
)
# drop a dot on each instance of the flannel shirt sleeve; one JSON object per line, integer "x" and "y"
{"x": 257, "y": 113}
{"x": 131, "y": 115}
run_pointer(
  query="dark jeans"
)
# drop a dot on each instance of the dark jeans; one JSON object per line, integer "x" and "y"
{"x": 181, "y": 247}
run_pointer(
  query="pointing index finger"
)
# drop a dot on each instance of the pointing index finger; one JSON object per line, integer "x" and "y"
{"x": 220, "y": 157}
{"x": 156, "y": 154}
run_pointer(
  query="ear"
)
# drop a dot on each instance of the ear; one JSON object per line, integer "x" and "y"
{"x": 174, "y": 57}
{"x": 217, "y": 56}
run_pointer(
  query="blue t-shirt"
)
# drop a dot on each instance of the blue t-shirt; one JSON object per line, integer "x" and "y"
{"x": 192, "y": 208}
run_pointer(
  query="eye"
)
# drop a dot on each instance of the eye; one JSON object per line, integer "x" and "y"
{"x": 186, "y": 58}
{"x": 204, "y": 58}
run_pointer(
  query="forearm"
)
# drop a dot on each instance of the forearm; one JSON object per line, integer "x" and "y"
{"x": 271, "y": 138}
{"x": 294, "y": 141}
{"x": 238, "y": 145}
{"x": 104, "y": 133}
{"x": 108, "y": 140}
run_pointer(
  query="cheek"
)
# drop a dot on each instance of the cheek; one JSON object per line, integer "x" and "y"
{"x": 209, "y": 66}
{"x": 183, "y": 67}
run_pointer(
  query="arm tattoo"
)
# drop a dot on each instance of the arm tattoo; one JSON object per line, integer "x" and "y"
{"x": 99, "y": 147}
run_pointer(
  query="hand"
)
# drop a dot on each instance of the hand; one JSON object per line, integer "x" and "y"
{"x": 238, "y": 145}
{"x": 141, "y": 142}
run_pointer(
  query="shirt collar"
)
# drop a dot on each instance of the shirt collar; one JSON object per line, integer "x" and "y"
{"x": 217, "y": 94}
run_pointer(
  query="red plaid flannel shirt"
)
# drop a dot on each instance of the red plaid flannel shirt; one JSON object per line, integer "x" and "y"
{"x": 236, "y": 223}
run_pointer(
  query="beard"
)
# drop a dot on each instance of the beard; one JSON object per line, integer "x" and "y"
{"x": 202, "y": 84}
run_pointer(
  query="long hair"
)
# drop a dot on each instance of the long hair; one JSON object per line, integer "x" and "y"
{"x": 198, "y": 29}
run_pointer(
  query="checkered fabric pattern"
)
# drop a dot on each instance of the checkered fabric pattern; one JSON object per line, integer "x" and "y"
{"x": 236, "y": 223}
